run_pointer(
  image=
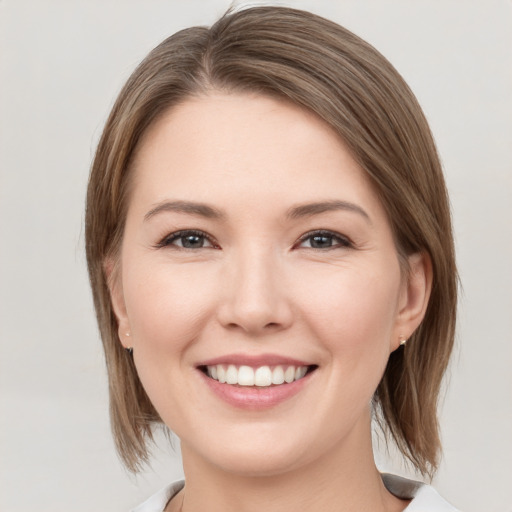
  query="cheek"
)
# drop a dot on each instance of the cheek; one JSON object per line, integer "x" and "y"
{"x": 167, "y": 311}
{"x": 166, "y": 307}
{"x": 354, "y": 313}
{"x": 353, "y": 318}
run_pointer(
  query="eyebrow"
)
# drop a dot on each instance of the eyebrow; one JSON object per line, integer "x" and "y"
{"x": 310, "y": 209}
{"x": 187, "y": 207}
{"x": 295, "y": 212}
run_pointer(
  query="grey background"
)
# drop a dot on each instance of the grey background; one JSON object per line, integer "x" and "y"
{"x": 61, "y": 65}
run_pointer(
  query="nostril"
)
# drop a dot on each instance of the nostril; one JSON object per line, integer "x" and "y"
{"x": 233, "y": 325}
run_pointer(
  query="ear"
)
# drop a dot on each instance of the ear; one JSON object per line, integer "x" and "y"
{"x": 414, "y": 297}
{"x": 112, "y": 269}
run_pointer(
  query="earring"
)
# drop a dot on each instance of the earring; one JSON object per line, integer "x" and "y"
{"x": 402, "y": 340}
{"x": 129, "y": 350}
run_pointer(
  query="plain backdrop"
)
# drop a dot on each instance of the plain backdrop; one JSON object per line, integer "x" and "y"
{"x": 61, "y": 66}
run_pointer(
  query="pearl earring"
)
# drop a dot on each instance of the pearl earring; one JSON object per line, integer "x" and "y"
{"x": 129, "y": 350}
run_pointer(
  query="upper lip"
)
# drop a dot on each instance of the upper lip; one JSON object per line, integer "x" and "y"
{"x": 254, "y": 361}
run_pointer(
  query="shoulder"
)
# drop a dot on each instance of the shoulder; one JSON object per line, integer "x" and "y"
{"x": 424, "y": 498}
{"x": 158, "y": 501}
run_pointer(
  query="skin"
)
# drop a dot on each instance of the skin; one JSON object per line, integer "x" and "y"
{"x": 257, "y": 285}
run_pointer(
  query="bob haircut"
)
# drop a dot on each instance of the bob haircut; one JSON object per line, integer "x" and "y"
{"x": 324, "y": 68}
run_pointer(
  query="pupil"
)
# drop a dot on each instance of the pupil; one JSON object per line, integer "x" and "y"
{"x": 192, "y": 241}
{"x": 321, "y": 241}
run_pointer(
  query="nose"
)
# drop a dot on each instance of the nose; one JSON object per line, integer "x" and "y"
{"x": 255, "y": 299}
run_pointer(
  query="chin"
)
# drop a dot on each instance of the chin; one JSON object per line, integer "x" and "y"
{"x": 268, "y": 453}
{"x": 258, "y": 463}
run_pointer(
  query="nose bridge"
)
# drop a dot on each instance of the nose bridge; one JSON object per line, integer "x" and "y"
{"x": 256, "y": 299}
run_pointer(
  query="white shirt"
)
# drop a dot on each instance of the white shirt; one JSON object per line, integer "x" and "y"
{"x": 424, "y": 497}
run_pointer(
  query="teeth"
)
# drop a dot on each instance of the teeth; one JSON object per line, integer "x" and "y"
{"x": 289, "y": 374}
{"x": 232, "y": 375}
{"x": 278, "y": 375}
{"x": 245, "y": 376}
{"x": 300, "y": 372}
{"x": 263, "y": 376}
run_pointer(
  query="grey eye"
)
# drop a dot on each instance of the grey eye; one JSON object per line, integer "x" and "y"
{"x": 192, "y": 241}
{"x": 187, "y": 239}
{"x": 323, "y": 240}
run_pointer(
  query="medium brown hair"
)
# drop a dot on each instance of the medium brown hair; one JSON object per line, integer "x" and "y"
{"x": 326, "y": 69}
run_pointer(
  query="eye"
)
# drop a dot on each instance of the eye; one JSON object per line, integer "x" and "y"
{"x": 188, "y": 239}
{"x": 323, "y": 240}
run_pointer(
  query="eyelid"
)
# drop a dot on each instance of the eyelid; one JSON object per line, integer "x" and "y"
{"x": 167, "y": 240}
{"x": 346, "y": 242}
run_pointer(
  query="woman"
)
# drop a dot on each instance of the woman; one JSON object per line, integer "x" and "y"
{"x": 269, "y": 245}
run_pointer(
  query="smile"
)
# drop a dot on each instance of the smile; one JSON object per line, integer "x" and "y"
{"x": 261, "y": 376}
{"x": 256, "y": 382}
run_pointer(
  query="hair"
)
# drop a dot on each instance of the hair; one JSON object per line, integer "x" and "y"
{"x": 322, "y": 67}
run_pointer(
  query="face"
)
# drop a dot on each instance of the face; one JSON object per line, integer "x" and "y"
{"x": 259, "y": 283}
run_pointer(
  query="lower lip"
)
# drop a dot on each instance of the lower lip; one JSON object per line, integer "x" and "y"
{"x": 253, "y": 397}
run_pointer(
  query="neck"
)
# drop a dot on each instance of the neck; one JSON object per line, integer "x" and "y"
{"x": 343, "y": 479}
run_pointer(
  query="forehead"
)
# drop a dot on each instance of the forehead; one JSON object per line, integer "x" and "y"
{"x": 241, "y": 148}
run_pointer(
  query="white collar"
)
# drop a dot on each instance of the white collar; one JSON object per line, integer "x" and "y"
{"x": 424, "y": 497}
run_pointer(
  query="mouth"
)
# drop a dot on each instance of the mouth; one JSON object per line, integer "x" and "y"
{"x": 264, "y": 376}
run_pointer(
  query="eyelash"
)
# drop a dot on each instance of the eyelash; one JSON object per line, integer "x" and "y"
{"x": 343, "y": 241}
{"x": 169, "y": 240}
